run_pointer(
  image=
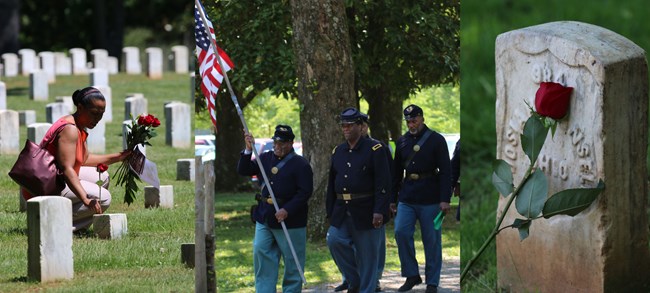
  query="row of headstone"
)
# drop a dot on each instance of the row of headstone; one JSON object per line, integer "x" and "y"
{"x": 57, "y": 63}
{"x": 177, "y": 121}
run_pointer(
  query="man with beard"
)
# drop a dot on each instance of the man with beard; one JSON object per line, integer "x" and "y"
{"x": 291, "y": 178}
{"x": 357, "y": 203}
{"x": 423, "y": 182}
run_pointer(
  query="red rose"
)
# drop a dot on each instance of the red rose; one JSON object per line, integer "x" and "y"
{"x": 141, "y": 119}
{"x": 552, "y": 100}
{"x": 102, "y": 168}
{"x": 156, "y": 122}
{"x": 149, "y": 120}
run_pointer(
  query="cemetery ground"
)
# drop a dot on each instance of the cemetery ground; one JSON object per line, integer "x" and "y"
{"x": 482, "y": 22}
{"x": 148, "y": 258}
{"x": 234, "y": 255}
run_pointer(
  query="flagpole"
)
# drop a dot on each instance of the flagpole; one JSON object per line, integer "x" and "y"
{"x": 243, "y": 121}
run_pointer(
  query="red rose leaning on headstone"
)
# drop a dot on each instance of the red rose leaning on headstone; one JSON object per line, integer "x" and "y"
{"x": 552, "y": 100}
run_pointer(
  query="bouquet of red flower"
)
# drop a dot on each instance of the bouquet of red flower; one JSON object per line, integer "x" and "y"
{"x": 141, "y": 129}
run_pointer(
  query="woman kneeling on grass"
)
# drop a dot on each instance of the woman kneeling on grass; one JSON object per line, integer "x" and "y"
{"x": 77, "y": 164}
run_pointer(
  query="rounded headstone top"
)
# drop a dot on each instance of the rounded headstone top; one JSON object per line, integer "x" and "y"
{"x": 569, "y": 40}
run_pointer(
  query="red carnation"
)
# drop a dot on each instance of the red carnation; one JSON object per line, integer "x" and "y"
{"x": 101, "y": 168}
{"x": 552, "y": 100}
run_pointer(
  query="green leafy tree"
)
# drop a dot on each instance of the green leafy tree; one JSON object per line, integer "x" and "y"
{"x": 400, "y": 47}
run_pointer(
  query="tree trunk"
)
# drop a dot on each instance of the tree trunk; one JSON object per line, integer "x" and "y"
{"x": 115, "y": 32}
{"x": 325, "y": 87}
{"x": 385, "y": 114}
{"x": 9, "y": 26}
{"x": 229, "y": 144}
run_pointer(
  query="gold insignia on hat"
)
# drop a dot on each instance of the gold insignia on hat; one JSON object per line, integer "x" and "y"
{"x": 416, "y": 148}
{"x": 274, "y": 170}
{"x": 282, "y": 129}
{"x": 409, "y": 109}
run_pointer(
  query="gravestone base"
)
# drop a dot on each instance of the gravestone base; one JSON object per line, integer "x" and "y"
{"x": 110, "y": 226}
{"x": 163, "y": 197}
{"x": 187, "y": 254}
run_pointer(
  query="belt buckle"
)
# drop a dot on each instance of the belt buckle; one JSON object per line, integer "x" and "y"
{"x": 347, "y": 196}
{"x": 414, "y": 176}
{"x": 269, "y": 200}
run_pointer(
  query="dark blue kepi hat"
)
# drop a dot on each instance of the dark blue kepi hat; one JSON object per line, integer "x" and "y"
{"x": 351, "y": 115}
{"x": 412, "y": 111}
{"x": 283, "y": 133}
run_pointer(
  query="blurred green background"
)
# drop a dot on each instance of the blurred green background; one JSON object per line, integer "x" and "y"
{"x": 481, "y": 22}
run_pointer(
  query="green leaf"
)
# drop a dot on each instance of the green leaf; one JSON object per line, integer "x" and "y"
{"x": 523, "y": 230}
{"x": 571, "y": 202}
{"x": 523, "y": 225}
{"x": 532, "y": 140}
{"x": 531, "y": 197}
{"x": 502, "y": 177}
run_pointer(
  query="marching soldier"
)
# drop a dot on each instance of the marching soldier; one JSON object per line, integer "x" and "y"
{"x": 357, "y": 203}
{"x": 422, "y": 179}
{"x": 290, "y": 176}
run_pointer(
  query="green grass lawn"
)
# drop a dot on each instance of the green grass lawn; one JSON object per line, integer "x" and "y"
{"x": 148, "y": 258}
{"x": 234, "y": 242}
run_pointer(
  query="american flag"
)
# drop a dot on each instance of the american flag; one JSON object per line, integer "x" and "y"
{"x": 211, "y": 74}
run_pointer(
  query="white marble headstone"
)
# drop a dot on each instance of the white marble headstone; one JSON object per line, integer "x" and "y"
{"x": 48, "y": 65}
{"x": 10, "y": 62}
{"x": 180, "y": 59}
{"x": 27, "y": 61}
{"x": 132, "y": 60}
{"x": 604, "y": 248}
{"x": 154, "y": 63}
{"x": 178, "y": 132}
{"x": 9, "y": 132}
{"x": 79, "y": 61}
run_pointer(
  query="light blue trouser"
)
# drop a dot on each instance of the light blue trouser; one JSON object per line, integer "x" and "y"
{"x": 407, "y": 214}
{"x": 356, "y": 254}
{"x": 268, "y": 245}
{"x": 382, "y": 255}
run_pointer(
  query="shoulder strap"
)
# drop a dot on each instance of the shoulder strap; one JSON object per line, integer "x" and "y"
{"x": 416, "y": 147}
{"x": 279, "y": 166}
{"x": 44, "y": 144}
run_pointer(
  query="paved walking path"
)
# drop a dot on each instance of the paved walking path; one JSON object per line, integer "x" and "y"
{"x": 392, "y": 280}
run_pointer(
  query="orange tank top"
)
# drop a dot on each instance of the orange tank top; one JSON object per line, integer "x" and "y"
{"x": 81, "y": 150}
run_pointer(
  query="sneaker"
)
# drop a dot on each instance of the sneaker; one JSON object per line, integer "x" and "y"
{"x": 410, "y": 282}
{"x": 343, "y": 286}
{"x": 431, "y": 289}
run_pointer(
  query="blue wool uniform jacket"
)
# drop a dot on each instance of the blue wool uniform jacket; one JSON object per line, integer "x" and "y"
{"x": 364, "y": 170}
{"x": 292, "y": 187}
{"x": 433, "y": 155}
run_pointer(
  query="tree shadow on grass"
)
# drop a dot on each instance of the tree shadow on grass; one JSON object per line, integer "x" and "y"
{"x": 15, "y": 231}
{"x": 17, "y": 91}
{"x": 21, "y": 279}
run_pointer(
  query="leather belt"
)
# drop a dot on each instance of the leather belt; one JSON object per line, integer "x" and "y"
{"x": 418, "y": 176}
{"x": 351, "y": 196}
{"x": 270, "y": 200}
